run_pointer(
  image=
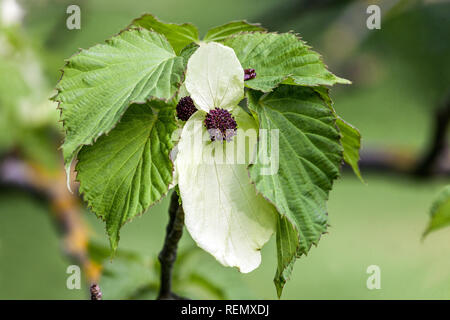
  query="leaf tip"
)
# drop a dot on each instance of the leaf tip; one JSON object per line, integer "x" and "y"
{"x": 113, "y": 243}
{"x": 279, "y": 285}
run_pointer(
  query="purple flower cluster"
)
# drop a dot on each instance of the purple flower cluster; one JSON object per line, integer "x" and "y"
{"x": 185, "y": 108}
{"x": 220, "y": 124}
{"x": 249, "y": 74}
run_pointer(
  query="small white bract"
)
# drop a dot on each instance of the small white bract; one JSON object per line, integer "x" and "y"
{"x": 223, "y": 212}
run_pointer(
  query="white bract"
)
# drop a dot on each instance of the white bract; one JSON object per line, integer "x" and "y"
{"x": 214, "y": 77}
{"x": 223, "y": 213}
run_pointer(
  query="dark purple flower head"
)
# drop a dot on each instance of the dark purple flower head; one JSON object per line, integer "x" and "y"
{"x": 185, "y": 108}
{"x": 220, "y": 124}
{"x": 249, "y": 74}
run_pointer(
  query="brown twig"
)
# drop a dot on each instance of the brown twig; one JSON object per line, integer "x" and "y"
{"x": 96, "y": 293}
{"x": 168, "y": 254}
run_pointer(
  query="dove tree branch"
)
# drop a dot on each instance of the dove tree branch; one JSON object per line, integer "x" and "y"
{"x": 168, "y": 254}
{"x": 49, "y": 187}
{"x": 438, "y": 144}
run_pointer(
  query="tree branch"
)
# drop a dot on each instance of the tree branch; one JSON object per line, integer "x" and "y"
{"x": 168, "y": 254}
{"x": 438, "y": 144}
{"x": 50, "y": 187}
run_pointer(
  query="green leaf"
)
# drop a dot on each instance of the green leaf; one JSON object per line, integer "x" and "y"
{"x": 350, "y": 136}
{"x": 125, "y": 172}
{"x": 222, "y": 32}
{"x": 310, "y": 154}
{"x": 280, "y": 58}
{"x": 287, "y": 243}
{"x": 440, "y": 212}
{"x": 132, "y": 275}
{"x": 178, "y": 35}
{"x": 99, "y": 84}
{"x": 13, "y": 88}
{"x": 351, "y": 141}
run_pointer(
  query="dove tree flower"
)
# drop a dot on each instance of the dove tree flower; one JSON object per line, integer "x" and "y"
{"x": 223, "y": 212}
{"x": 123, "y": 102}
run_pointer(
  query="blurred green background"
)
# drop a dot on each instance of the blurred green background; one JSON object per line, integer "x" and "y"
{"x": 400, "y": 74}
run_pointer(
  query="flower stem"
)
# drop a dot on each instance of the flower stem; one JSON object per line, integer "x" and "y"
{"x": 168, "y": 254}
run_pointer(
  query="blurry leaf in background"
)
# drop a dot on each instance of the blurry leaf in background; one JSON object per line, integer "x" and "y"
{"x": 23, "y": 85}
{"x": 12, "y": 87}
{"x": 129, "y": 169}
{"x": 439, "y": 212}
{"x": 134, "y": 276}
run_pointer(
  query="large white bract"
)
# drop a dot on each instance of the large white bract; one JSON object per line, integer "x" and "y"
{"x": 223, "y": 212}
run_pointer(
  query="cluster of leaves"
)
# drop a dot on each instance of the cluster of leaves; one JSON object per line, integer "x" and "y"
{"x": 118, "y": 100}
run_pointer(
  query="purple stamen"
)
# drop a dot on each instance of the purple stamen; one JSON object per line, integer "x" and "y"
{"x": 249, "y": 74}
{"x": 220, "y": 124}
{"x": 185, "y": 108}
